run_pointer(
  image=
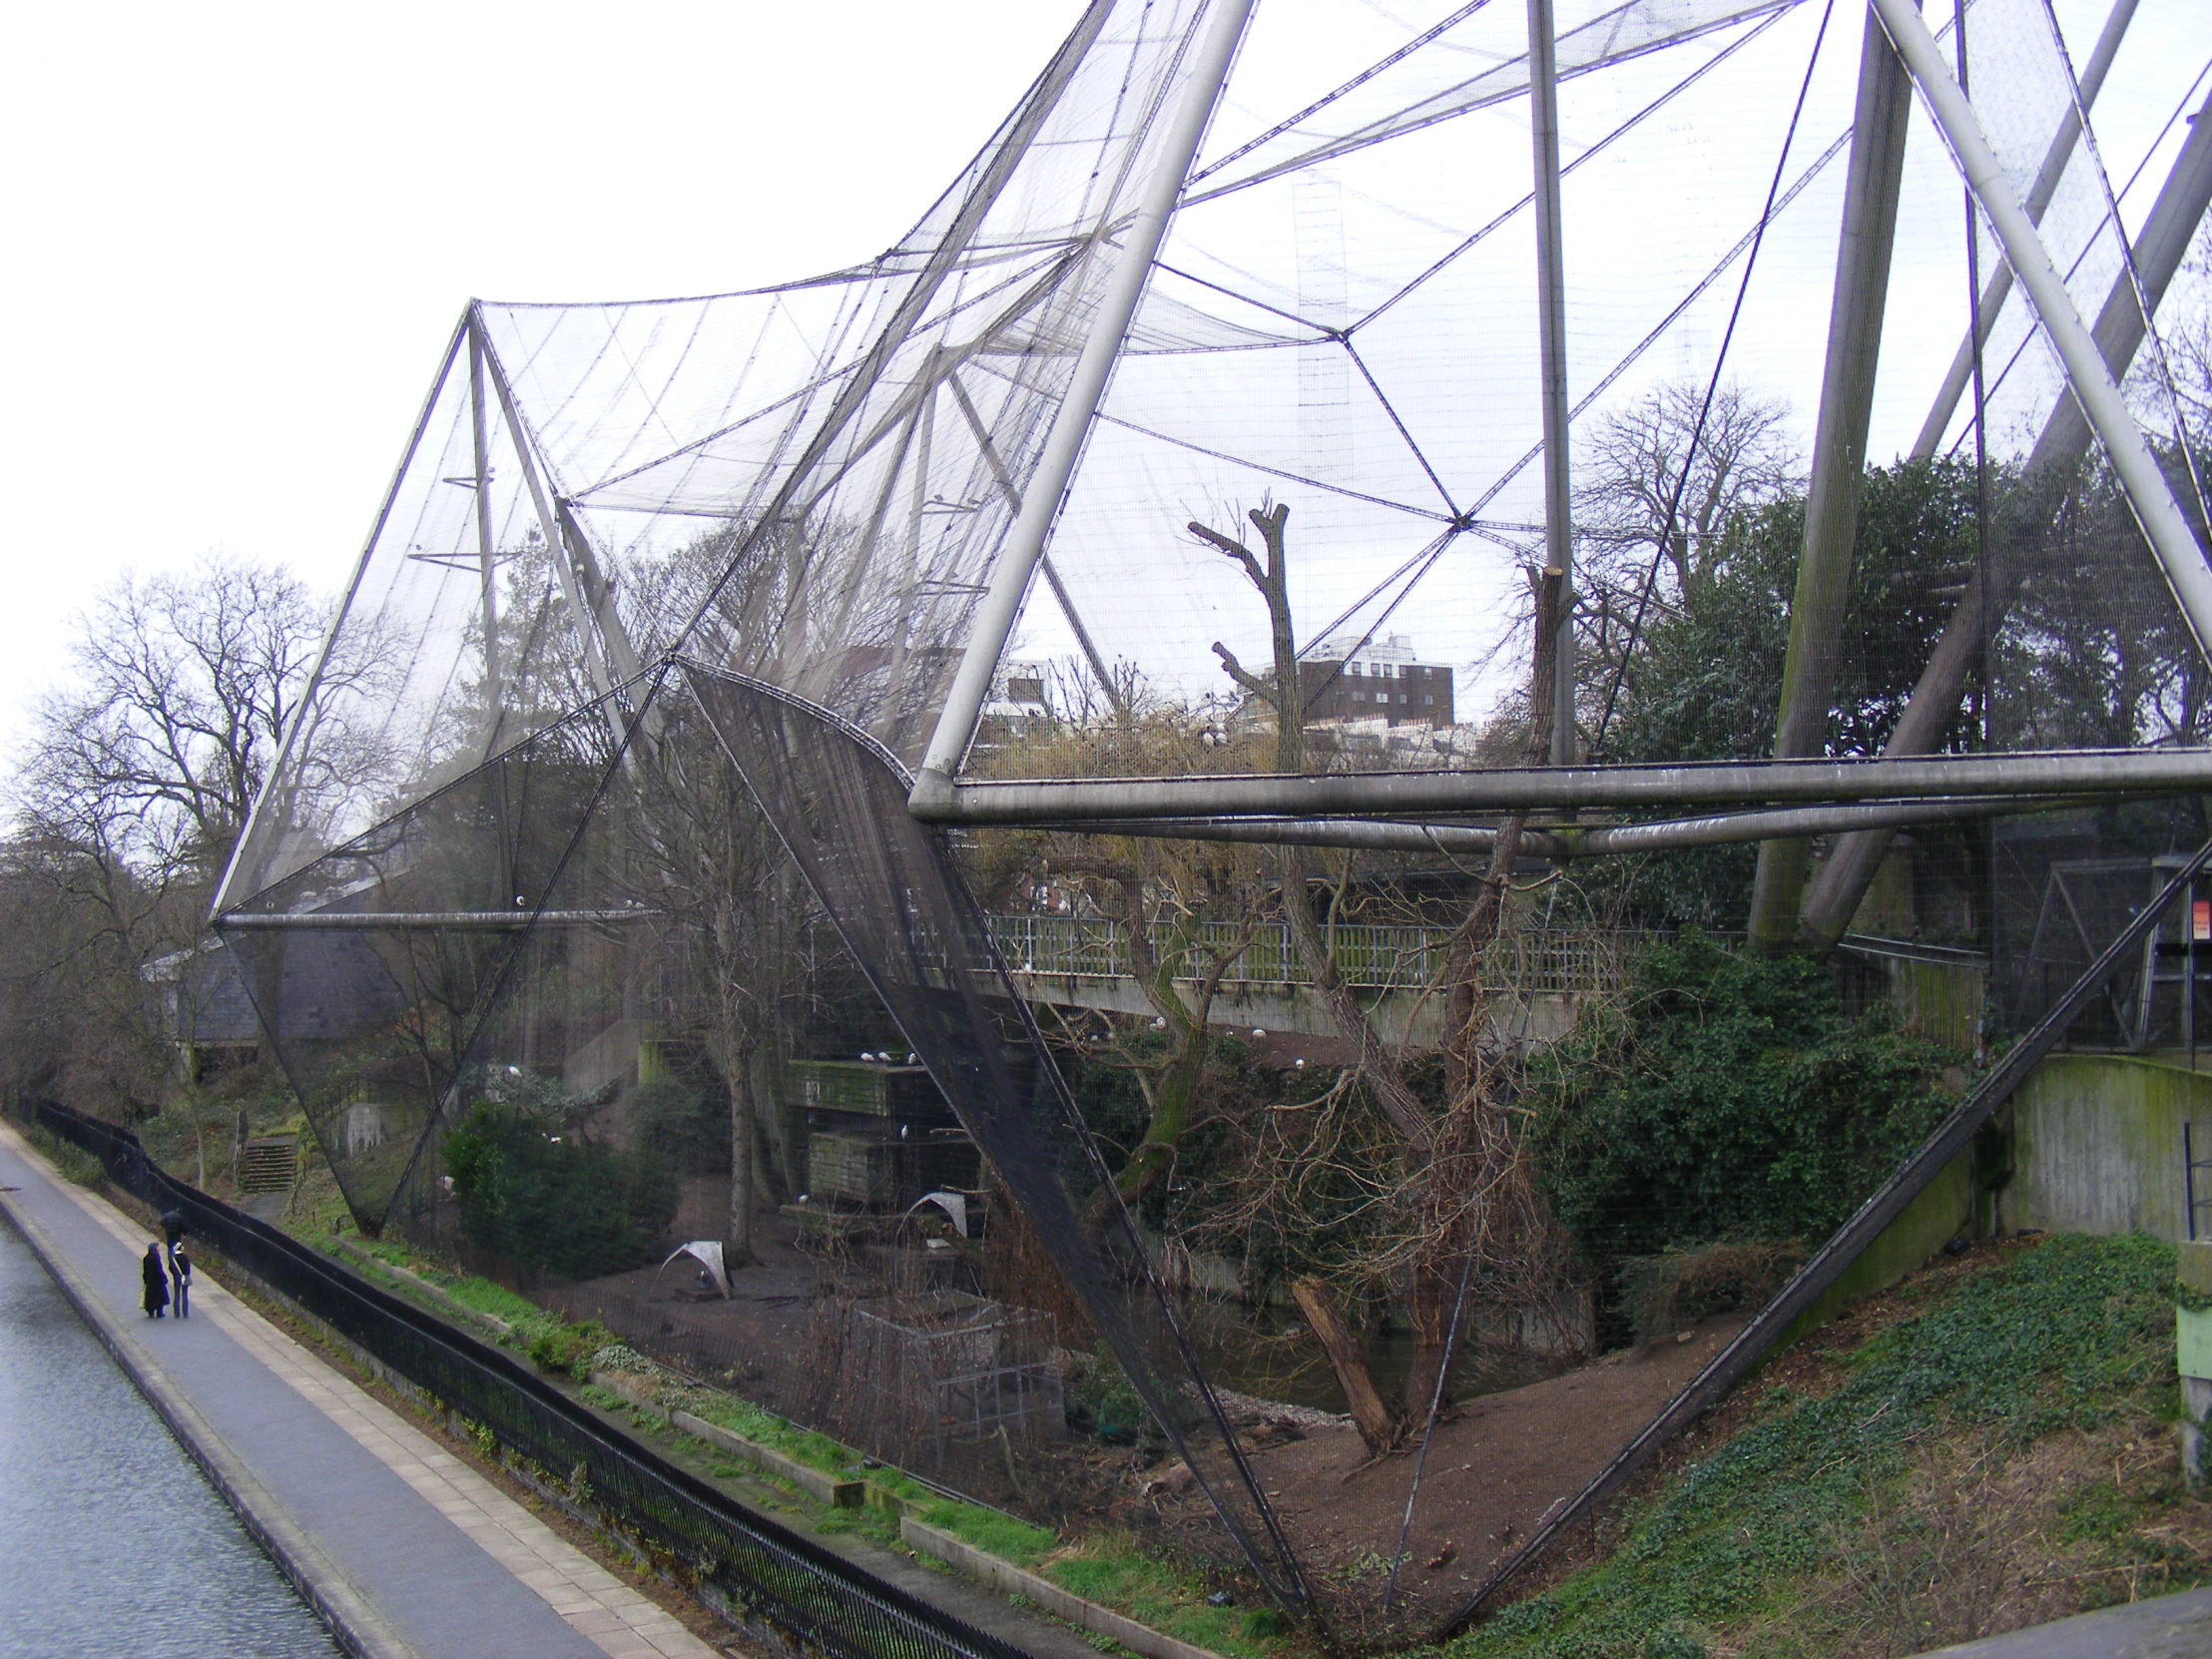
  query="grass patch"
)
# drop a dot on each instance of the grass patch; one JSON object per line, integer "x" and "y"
{"x": 988, "y": 1530}
{"x": 1790, "y": 1537}
{"x": 1116, "y": 1571}
{"x": 800, "y": 1445}
{"x": 71, "y": 1161}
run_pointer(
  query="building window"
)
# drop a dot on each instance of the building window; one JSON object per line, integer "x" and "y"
{"x": 1428, "y": 701}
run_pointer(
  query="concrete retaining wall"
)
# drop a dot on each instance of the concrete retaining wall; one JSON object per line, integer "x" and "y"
{"x": 2096, "y": 1146}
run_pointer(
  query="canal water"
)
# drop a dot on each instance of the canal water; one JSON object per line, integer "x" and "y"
{"x": 111, "y": 1542}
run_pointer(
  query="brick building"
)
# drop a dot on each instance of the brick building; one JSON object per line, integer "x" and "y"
{"x": 1378, "y": 680}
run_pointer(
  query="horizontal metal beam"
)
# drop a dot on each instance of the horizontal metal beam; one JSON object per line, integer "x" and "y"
{"x": 1561, "y": 841}
{"x": 487, "y": 920}
{"x": 2093, "y": 771}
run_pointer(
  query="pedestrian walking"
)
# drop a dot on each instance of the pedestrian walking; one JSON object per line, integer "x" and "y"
{"x": 156, "y": 1277}
{"x": 180, "y": 1279}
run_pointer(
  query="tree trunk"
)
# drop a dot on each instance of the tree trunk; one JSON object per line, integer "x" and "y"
{"x": 1429, "y": 1308}
{"x": 1377, "y": 1427}
{"x": 1377, "y": 1068}
{"x": 737, "y": 1243}
{"x": 1464, "y": 1028}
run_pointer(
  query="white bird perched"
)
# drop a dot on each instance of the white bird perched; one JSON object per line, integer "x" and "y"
{"x": 1298, "y": 1064}
{"x": 1160, "y": 1022}
{"x": 1258, "y": 1033}
{"x": 912, "y": 1058}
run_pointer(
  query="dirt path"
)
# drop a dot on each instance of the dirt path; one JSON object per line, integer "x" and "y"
{"x": 1497, "y": 1467}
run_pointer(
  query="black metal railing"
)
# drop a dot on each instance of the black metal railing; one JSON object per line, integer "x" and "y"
{"x": 768, "y": 1575}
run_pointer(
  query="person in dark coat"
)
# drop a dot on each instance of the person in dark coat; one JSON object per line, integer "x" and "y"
{"x": 155, "y": 1277}
{"x": 180, "y": 1279}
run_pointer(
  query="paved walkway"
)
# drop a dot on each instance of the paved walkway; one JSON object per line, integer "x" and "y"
{"x": 405, "y": 1549}
{"x": 2167, "y": 1627}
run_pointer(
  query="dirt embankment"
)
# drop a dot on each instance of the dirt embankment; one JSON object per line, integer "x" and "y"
{"x": 1497, "y": 1467}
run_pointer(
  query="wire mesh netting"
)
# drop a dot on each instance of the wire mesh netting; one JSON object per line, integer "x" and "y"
{"x": 591, "y": 839}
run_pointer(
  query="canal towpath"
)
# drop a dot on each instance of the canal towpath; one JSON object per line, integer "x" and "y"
{"x": 405, "y": 1550}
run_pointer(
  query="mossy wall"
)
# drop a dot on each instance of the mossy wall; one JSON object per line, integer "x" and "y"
{"x": 1943, "y": 1210}
{"x": 2098, "y": 1146}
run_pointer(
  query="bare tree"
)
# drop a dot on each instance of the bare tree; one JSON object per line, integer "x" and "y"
{"x": 1462, "y": 1194}
{"x": 1630, "y": 465}
{"x": 181, "y": 688}
{"x": 138, "y": 777}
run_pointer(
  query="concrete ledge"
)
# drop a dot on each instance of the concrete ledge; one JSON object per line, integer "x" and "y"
{"x": 408, "y": 1276}
{"x": 359, "y": 1628}
{"x": 821, "y": 1487}
{"x": 1064, "y": 1604}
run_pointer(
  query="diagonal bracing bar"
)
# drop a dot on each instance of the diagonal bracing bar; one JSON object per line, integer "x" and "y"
{"x": 1071, "y": 423}
{"x": 2108, "y": 415}
{"x": 1744, "y": 1351}
{"x": 2000, "y": 287}
{"x": 1833, "y": 897}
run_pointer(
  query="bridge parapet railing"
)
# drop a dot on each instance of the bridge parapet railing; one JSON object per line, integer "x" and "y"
{"x": 1368, "y": 956}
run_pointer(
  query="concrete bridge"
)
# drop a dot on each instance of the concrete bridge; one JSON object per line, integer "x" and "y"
{"x": 1540, "y": 981}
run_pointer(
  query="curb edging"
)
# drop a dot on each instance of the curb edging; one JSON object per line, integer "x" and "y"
{"x": 1004, "y": 1576}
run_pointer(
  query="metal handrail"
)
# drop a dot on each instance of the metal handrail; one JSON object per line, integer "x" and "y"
{"x": 1369, "y": 956}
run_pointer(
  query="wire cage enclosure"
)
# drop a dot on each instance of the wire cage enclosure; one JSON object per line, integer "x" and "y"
{"x": 955, "y": 1368}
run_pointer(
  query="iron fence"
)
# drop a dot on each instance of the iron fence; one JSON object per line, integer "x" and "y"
{"x": 777, "y": 1582}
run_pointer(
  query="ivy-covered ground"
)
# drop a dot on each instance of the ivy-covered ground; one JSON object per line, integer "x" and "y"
{"x": 1990, "y": 1446}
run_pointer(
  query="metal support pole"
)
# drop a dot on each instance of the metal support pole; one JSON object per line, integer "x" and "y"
{"x": 2000, "y": 287}
{"x": 613, "y": 659}
{"x": 1005, "y": 482}
{"x": 1071, "y": 423}
{"x": 1879, "y": 124}
{"x": 486, "y": 559}
{"x": 2148, "y": 493}
{"x": 2165, "y": 238}
{"x": 1936, "y": 777}
{"x": 276, "y": 785}
{"x": 1551, "y": 336}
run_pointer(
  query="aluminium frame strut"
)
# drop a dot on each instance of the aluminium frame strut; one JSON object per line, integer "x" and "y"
{"x": 1071, "y": 422}
{"x": 2148, "y": 493}
{"x": 1940, "y": 778}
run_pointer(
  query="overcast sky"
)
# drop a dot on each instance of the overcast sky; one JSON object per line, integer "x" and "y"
{"x": 238, "y": 236}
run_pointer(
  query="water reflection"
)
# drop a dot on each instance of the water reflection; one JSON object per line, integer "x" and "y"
{"x": 110, "y": 1542}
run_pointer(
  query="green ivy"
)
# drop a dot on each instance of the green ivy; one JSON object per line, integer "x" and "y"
{"x": 577, "y": 1208}
{"x": 1726, "y": 1096}
{"x": 2064, "y": 1335}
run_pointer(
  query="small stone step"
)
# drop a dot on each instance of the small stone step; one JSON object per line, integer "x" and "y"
{"x": 269, "y": 1163}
